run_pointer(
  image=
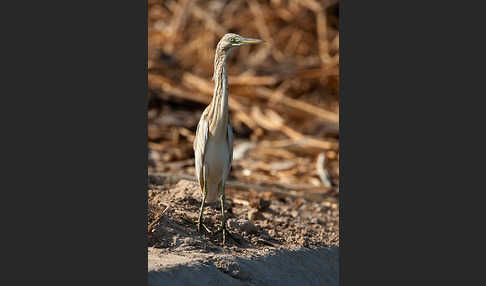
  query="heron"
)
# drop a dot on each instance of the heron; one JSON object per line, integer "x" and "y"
{"x": 213, "y": 144}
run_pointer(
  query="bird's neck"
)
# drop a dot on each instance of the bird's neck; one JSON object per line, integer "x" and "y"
{"x": 219, "y": 103}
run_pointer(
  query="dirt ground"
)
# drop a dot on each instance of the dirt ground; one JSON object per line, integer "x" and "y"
{"x": 262, "y": 224}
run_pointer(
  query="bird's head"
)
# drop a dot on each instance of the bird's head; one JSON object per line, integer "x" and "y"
{"x": 231, "y": 40}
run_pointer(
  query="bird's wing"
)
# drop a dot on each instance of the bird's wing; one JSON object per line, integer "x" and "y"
{"x": 200, "y": 148}
{"x": 230, "y": 148}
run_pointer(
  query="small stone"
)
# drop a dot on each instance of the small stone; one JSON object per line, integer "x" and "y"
{"x": 255, "y": 215}
{"x": 263, "y": 204}
{"x": 243, "y": 225}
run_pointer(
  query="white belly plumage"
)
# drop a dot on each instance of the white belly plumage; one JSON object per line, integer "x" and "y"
{"x": 213, "y": 157}
{"x": 218, "y": 151}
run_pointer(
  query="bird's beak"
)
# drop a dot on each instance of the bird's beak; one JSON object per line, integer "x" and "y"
{"x": 251, "y": 41}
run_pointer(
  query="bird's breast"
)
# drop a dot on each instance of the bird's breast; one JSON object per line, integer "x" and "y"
{"x": 216, "y": 158}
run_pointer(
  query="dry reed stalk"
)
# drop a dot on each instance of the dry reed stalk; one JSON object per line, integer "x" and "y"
{"x": 276, "y": 96}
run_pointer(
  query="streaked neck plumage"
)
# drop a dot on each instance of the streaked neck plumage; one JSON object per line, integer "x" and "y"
{"x": 218, "y": 108}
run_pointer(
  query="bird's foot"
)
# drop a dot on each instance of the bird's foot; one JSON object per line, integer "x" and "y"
{"x": 199, "y": 224}
{"x": 225, "y": 232}
{"x": 200, "y": 230}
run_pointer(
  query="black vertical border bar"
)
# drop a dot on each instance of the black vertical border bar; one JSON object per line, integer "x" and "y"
{"x": 74, "y": 143}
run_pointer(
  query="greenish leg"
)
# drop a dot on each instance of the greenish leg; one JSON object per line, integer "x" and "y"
{"x": 223, "y": 221}
{"x": 199, "y": 222}
{"x": 223, "y": 216}
{"x": 203, "y": 203}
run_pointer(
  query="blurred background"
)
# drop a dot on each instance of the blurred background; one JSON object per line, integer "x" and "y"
{"x": 283, "y": 100}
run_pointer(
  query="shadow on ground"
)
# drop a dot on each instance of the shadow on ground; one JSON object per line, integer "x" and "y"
{"x": 280, "y": 267}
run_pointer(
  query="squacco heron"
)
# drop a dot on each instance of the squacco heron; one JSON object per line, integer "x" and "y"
{"x": 213, "y": 144}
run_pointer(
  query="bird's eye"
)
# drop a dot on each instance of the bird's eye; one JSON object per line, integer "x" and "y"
{"x": 234, "y": 40}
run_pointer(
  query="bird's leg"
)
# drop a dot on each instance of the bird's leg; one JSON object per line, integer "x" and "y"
{"x": 199, "y": 222}
{"x": 223, "y": 216}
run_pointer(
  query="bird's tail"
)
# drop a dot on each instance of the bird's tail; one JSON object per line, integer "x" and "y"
{"x": 212, "y": 195}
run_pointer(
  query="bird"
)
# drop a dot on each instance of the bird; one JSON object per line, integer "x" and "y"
{"x": 213, "y": 143}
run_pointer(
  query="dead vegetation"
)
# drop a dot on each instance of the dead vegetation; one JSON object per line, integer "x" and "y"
{"x": 283, "y": 96}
